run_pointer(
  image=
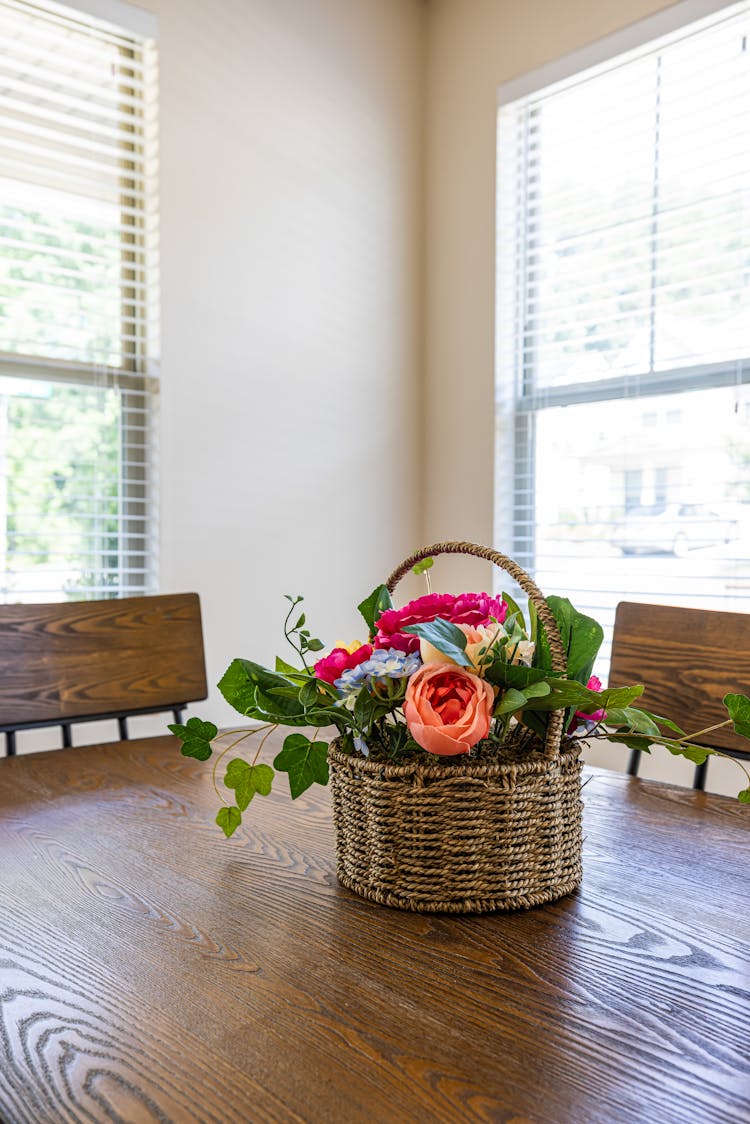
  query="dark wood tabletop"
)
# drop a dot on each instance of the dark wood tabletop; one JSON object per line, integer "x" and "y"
{"x": 151, "y": 970}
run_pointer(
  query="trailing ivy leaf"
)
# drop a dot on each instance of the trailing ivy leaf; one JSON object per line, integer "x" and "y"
{"x": 306, "y": 763}
{"x": 315, "y": 645}
{"x": 569, "y": 693}
{"x": 377, "y": 603}
{"x": 629, "y": 740}
{"x": 229, "y": 819}
{"x": 425, "y": 564}
{"x": 633, "y": 719}
{"x": 445, "y": 636}
{"x": 510, "y": 701}
{"x": 695, "y": 753}
{"x": 247, "y": 779}
{"x": 196, "y": 737}
{"x": 738, "y": 707}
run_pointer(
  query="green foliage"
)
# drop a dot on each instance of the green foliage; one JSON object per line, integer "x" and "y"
{"x": 581, "y": 639}
{"x": 512, "y": 699}
{"x": 421, "y": 567}
{"x": 371, "y": 608}
{"x": 444, "y": 636}
{"x": 738, "y": 708}
{"x": 229, "y": 819}
{"x": 305, "y": 761}
{"x": 196, "y": 737}
{"x": 369, "y": 715}
{"x": 568, "y": 693}
{"x": 299, "y": 637}
{"x": 246, "y": 780}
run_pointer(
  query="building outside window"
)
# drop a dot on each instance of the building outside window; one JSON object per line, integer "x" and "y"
{"x": 79, "y": 341}
{"x": 623, "y": 323}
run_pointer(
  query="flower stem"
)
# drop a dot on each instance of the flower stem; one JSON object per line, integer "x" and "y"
{"x": 267, "y": 735}
{"x": 225, "y": 751}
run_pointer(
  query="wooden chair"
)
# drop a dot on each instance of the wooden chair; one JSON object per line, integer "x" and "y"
{"x": 687, "y": 660}
{"x": 84, "y": 660}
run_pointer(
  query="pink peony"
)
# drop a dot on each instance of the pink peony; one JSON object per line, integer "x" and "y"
{"x": 594, "y": 684}
{"x": 332, "y": 666}
{"x": 463, "y": 608}
{"x": 447, "y": 709}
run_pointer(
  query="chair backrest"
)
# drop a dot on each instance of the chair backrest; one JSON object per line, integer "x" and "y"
{"x": 687, "y": 660}
{"x": 81, "y": 660}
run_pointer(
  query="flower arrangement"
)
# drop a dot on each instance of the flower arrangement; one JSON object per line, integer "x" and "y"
{"x": 459, "y": 677}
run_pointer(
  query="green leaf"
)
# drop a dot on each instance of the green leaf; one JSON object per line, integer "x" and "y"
{"x": 566, "y": 693}
{"x": 285, "y": 668}
{"x": 695, "y": 753}
{"x": 744, "y": 796}
{"x": 425, "y": 564}
{"x": 246, "y": 686}
{"x": 247, "y": 779}
{"x": 514, "y": 611}
{"x": 306, "y": 763}
{"x": 629, "y": 740}
{"x": 537, "y": 690}
{"x": 229, "y": 819}
{"x": 504, "y": 674}
{"x": 446, "y": 637}
{"x": 581, "y": 637}
{"x": 196, "y": 737}
{"x": 738, "y": 707}
{"x": 510, "y": 701}
{"x": 315, "y": 645}
{"x": 633, "y": 719}
{"x": 299, "y": 623}
{"x": 309, "y": 694}
{"x": 238, "y": 688}
{"x": 377, "y": 603}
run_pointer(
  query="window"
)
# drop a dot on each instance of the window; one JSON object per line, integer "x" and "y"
{"x": 78, "y": 315}
{"x": 623, "y": 324}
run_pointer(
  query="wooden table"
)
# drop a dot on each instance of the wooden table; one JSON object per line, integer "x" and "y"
{"x": 152, "y": 971}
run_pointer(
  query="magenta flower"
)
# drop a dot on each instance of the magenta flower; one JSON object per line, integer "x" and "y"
{"x": 594, "y": 684}
{"x": 332, "y": 666}
{"x": 464, "y": 608}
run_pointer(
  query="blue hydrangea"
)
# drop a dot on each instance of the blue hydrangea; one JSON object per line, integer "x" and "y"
{"x": 384, "y": 663}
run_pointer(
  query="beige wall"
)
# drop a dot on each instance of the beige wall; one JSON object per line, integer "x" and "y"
{"x": 291, "y": 173}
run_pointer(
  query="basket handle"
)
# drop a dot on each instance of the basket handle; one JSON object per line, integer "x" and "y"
{"x": 529, "y": 586}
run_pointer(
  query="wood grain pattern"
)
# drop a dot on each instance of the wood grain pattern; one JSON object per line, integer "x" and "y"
{"x": 152, "y": 971}
{"x": 88, "y": 658}
{"x": 687, "y": 660}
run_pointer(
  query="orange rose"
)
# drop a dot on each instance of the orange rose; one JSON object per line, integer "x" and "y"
{"x": 447, "y": 709}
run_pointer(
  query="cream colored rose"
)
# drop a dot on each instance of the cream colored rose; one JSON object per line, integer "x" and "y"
{"x": 521, "y": 652}
{"x": 479, "y": 643}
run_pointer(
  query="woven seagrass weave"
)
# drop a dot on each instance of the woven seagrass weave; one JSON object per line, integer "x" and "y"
{"x": 466, "y": 836}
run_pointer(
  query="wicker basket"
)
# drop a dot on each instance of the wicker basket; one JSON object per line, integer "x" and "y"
{"x": 467, "y": 837}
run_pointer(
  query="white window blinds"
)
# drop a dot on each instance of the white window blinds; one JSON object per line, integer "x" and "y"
{"x": 623, "y": 345}
{"x": 78, "y": 307}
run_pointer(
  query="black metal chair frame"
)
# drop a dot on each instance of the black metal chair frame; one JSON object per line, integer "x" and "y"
{"x": 11, "y": 729}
